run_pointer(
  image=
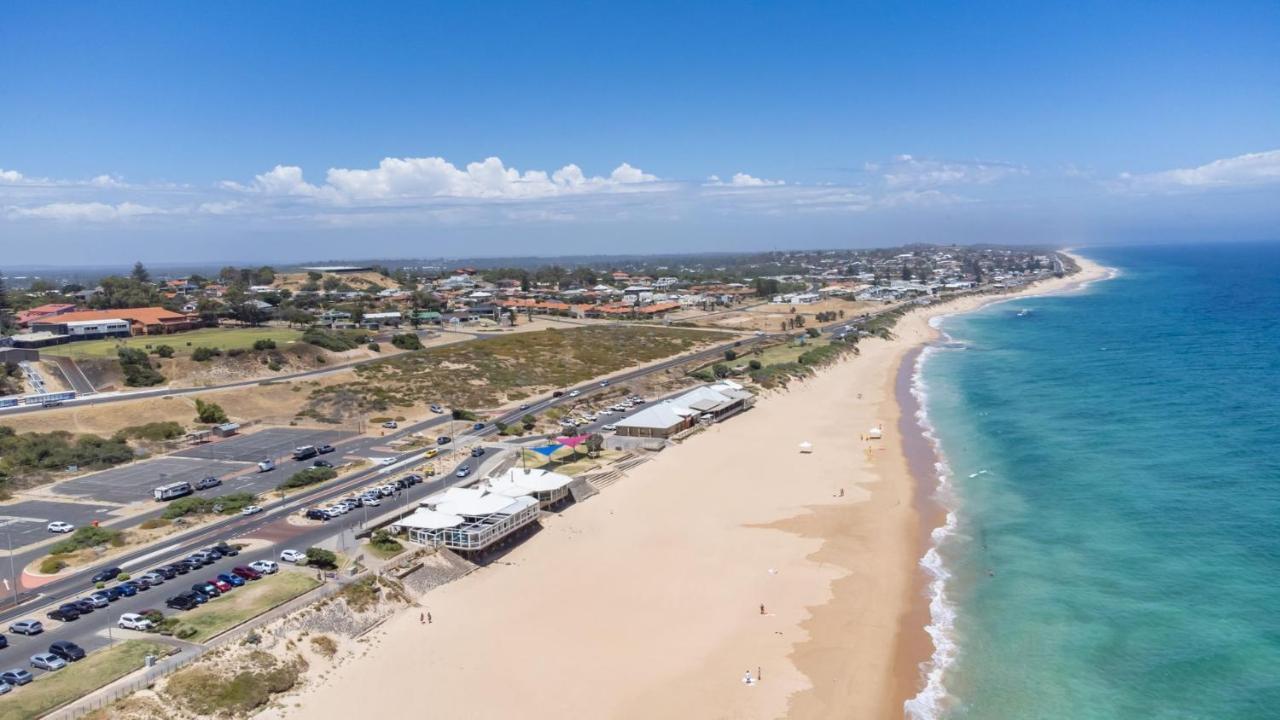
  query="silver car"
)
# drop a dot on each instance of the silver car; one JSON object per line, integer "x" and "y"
{"x": 47, "y": 661}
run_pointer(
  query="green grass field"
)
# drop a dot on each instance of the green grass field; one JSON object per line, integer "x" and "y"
{"x": 77, "y": 679}
{"x": 182, "y": 343}
{"x": 243, "y": 603}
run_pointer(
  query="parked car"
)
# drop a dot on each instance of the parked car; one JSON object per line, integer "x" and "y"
{"x": 231, "y": 579}
{"x": 610, "y": 428}
{"x": 413, "y": 478}
{"x": 316, "y": 514}
{"x": 293, "y": 556}
{"x": 165, "y": 572}
{"x": 84, "y": 606}
{"x": 152, "y": 579}
{"x": 266, "y": 567}
{"x": 208, "y": 482}
{"x": 105, "y": 574}
{"x": 66, "y": 650}
{"x": 437, "y": 409}
{"x": 324, "y": 449}
{"x": 184, "y": 601}
{"x": 199, "y": 596}
{"x": 27, "y": 627}
{"x": 6, "y": 688}
{"x": 371, "y": 500}
{"x": 463, "y": 471}
{"x": 250, "y": 510}
{"x": 127, "y": 589}
{"x": 134, "y": 621}
{"x": 247, "y": 573}
{"x": 57, "y": 526}
{"x": 222, "y": 585}
{"x": 227, "y": 550}
{"x": 113, "y": 593}
{"x": 16, "y": 676}
{"x": 390, "y": 425}
{"x": 4, "y": 642}
{"x": 444, "y": 440}
{"x": 47, "y": 661}
{"x": 65, "y": 613}
{"x": 322, "y": 464}
{"x": 99, "y": 600}
{"x": 207, "y": 588}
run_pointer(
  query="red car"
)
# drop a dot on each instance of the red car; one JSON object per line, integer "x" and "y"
{"x": 247, "y": 573}
{"x": 222, "y": 585}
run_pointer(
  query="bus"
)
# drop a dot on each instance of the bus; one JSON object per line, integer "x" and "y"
{"x": 172, "y": 490}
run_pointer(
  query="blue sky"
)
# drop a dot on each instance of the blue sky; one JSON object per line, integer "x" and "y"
{"x": 290, "y": 131}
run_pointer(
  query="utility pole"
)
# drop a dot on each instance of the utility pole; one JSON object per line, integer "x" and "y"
{"x": 13, "y": 574}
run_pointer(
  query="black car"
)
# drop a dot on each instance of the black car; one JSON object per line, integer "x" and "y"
{"x": 84, "y": 606}
{"x": 317, "y": 514}
{"x": 227, "y": 550}
{"x": 208, "y": 589}
{"x": 477, "y": 451}
{"x": 322, "y": 463}
{"x": 215, "y": 551}
{"x": 444, "y": 440}
{"x": 181, "y": 602}
{"x": 166, "y": 572}
{"x": 179, "y": 568}
{"x": 4, "y": 641}
{"x": 65, "y": 613}
{"x": 199, "y": 596}
{"x": 67, "y": 650}
{"x": 324, "y": 449}
{"x": 105, "y": 574}
{"x": 413, "y": 478}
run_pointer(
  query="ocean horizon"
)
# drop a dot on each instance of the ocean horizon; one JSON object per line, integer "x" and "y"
{"x": 1106, "y": 460}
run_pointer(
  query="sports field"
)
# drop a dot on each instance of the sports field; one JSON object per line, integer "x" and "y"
{"x": 182, "y": 343}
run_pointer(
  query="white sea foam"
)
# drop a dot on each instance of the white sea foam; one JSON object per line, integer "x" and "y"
{"x": 932, "y": 700}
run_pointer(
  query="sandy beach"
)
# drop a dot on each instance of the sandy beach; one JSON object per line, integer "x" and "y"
{"x": 645, "y": 601}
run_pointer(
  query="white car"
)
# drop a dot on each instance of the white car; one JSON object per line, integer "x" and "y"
{"x": 134, "y": 621}
{"x": 5, "y": 687}
{"x": 266, "y": 567}
{"x": 371, "y": 500}
{"x": 251, "y": 510}
{"x": 610, "y": 428}
{"x": 266, "y": 465}
{"x": 293, "y": 556}
{"x": 58, "y": 526}
{"x": 574, "y": 393}
{"x": 607, "y": 411}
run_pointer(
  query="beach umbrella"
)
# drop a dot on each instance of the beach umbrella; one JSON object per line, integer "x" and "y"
{"x": 806, "y": 446}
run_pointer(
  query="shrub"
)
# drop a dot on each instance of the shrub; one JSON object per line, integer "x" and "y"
{"x": 703, "y": 374}
{"x": 51, "y": 565}
{"x": 324, "y": 645}
{"x": 755, "y": 364}
{"x": 87, "y": 537}
{"x": 274, "y": 366}
{"x": 720, "y": 370}
{"x": 153, "y": 523}
{"x": 309, "y": 476}
{"x": 137, "y": 368}
{"x": 29, "y": 452}
{"x": 264, "y": 344}
{"x": 406, "y": 341}
{"x": 164, "y": 351}
{"x": 334, "y": 340}
{"x": 236, "y": 352}
{"x": 460, "y": 414}
{"x": 185, "y": 631}
{"x": 155, "y": 431}
{"x": 209, "y": 412}
{"x": 812, "y": 332}
{"x": 730, "y": 355}
{"x": 321, "y": 558}
{"x": 202, "y": 354}
{"x": 374, "y": 347}
{"x": 203, "y": 505}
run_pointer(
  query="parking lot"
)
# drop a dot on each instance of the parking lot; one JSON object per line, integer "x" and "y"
{"x": 271, "y": 443}
{"x": 25, "y": 522}
{"x": 134, "y": 482}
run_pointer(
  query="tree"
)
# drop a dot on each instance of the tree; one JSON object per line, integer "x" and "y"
{"x": 595, "y": 443}
{"x": 528, "y": 421}
{"x": 730, "y": 355}
{"x": 755, "y": 365}
{"x": 406, "y": 341}
{"x": 209, "y": 412}
{"x": 140, "y": 273}
{"x": 321, "y": 558}
{"x": 720, "y": 370}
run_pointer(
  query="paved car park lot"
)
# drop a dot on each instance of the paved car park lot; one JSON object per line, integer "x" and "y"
{"x": 26, "y": 522}
{"x": 272, "y": 443}
{"x": 134, "y": 482}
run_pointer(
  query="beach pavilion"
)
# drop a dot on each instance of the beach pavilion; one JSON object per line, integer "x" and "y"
{"x": 548, "y": 488}
{"x": 469, "y": 520}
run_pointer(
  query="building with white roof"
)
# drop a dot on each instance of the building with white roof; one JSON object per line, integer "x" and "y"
{"x": 708, "y": 403}
{"x": 469, "y": 520}
{"x": 546, "y": 487}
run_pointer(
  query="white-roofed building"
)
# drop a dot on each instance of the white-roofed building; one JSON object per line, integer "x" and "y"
{"x": 546, "y": 487}
{"x": 469, "y": 520}
{"x": 708, "y": 403}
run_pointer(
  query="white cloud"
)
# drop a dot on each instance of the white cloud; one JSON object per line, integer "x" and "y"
{"x": 84, "y": 211}
{"x": 1259, "y": 168}
{"x": 742, "y": 180}
{"x": 402, "y": 179}
{"x": 11, "y": 177}
{"x": 907, "y": 171}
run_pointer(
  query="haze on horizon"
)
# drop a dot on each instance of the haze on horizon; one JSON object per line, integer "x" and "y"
{"x": 293, "y": 131}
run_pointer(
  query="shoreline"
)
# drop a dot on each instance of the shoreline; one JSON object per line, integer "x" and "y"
{"x": 920, "y": 656}
{"x": 727, "y": 553}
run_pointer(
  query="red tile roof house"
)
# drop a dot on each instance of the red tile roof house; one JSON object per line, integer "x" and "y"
{"x": 142, "y": 321}
{"x": 43, "y": 311}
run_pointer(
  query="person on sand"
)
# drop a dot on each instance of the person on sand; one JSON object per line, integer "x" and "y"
{"x": 841, "y": 492}
{"x": 761, "y": 608}
{"x": 746, "y": 678}
{"x": 422, "y": 619}
{"x": 428, "y": 618}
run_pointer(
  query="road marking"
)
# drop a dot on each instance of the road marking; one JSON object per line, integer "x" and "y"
{"x": 11, "y": 519}
{"x": 142, "y": 559}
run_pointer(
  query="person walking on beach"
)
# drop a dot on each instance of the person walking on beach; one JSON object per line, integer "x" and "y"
{"x": 422, "y": 619}
{"x": 428, "y": 618}
{"x": 761, "y": 608}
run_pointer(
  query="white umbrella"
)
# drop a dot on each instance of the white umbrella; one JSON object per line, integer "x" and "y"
{"x": 806, "y": 446}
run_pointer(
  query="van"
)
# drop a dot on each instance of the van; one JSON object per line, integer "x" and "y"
{"x": 266, "y": 465}
{"x": 306, "y": 452}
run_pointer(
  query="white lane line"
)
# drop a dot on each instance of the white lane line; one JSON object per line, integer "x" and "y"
{"x": 148, "y": 556}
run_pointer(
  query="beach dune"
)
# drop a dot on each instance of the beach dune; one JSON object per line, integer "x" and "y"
{"x": 645, "y": 601}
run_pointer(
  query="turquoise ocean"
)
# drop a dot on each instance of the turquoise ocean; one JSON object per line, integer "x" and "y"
{"x": 1110, "y": 461}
